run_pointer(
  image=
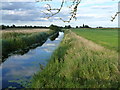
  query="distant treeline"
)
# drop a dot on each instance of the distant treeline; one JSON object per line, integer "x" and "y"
{"x": 65, "y": 27}
{"x": 13, "y": 26}
{"x": 84, "y": 26}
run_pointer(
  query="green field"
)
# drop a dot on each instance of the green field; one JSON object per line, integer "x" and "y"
{"x": 81, "y": 63}
{"x": 105, "y": 37}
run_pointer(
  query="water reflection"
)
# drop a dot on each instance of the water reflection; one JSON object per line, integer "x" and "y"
{"x": 24, "y": 66}
{"x": 23, "y": 51}
{"x": 54, "y": 36}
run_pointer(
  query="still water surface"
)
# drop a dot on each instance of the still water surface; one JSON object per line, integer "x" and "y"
{"x": 23, "y": 67}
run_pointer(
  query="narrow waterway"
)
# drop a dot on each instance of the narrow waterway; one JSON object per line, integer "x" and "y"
{"x": 23, "y": 67}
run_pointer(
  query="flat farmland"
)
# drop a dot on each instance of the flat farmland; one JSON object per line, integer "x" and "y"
{"x": 104, "y": 37}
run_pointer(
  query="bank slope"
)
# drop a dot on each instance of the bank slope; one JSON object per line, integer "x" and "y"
{"x": 79, "y": 63}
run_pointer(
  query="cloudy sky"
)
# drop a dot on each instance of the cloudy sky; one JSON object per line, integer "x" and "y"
{"x": 91, "y": 12}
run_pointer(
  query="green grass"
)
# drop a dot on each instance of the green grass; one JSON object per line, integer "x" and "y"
{"x": 79, "y": 63}
{"x": 14, "y": 35}
{"x": 105, "y": 37}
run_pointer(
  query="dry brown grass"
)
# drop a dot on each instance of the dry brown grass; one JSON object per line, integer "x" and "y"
{"x": 89, "y": 44}
{"x": 25, "y": 30}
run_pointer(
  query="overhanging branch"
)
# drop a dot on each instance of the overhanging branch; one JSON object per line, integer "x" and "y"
{"x": 113, "y": 18}
{"x": 53, "y": 11}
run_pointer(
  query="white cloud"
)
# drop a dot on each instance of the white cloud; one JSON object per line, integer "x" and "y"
{"x": 12, "y": 12}
{"x": 97, "y": 2}
{"x": 25, "y": 0}
{"x": 102, "y": 7}
{"x": 96, "y": 12}
{"x": 46, "y": 19}
{"x": 18, "y": 1}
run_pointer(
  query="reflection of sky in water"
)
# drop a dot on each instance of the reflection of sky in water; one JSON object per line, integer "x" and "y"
{"x": 24, "y": 66}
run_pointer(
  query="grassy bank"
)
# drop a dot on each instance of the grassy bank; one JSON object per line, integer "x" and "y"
{"x": 12, "y": 41}
{"x": 79, "y": 63}
{"x": 105, "y": 37}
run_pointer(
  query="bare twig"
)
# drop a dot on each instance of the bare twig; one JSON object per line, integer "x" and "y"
{"x": 113, "y": 18}
{"x": 53, "y": 11}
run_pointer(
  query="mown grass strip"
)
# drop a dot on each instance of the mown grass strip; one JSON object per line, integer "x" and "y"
{"x": 79, "y": 63}
{"x": 105, "y": 37}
